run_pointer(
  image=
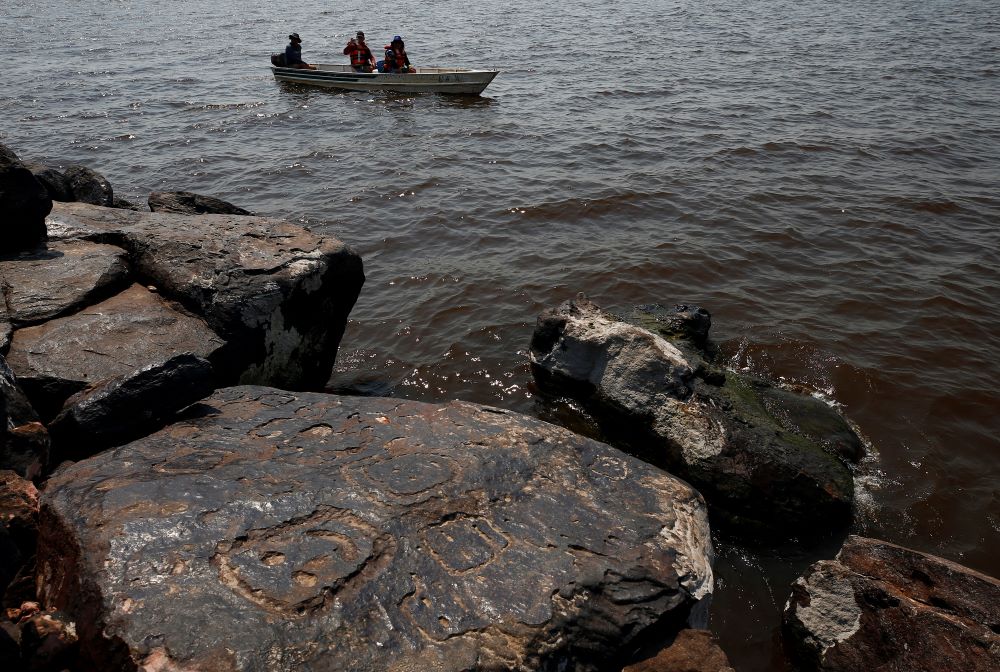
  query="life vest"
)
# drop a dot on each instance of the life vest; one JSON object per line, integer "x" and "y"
{"x": 359, "y": 55}
{"x": 395, "y": 60}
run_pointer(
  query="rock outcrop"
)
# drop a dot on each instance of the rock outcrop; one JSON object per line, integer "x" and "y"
{"x": 89, "y": 186}
{"x": 131, "y": 330}
{"x": 62, "y": 278}
{"x": 188, "y": 203}
{"x": 54, "y": 181}
{"x": 879, "y": 606}
{"x": 277, "y": 294}
{"x": 762, "y": 462}
{"x": 129, "y": 406}
{"x": 274, "y": 531}
{"x": 24, "y": 203}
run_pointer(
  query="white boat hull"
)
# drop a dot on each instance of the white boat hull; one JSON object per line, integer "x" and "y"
{"x": 424, "y": 80}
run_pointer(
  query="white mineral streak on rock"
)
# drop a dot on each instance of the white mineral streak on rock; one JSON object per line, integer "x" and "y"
{"x": 689, "y": 426}
{"x": 690, "y": 536}
{"x": 832, "y": 615}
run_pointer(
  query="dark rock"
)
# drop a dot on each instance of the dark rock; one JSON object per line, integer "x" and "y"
{"x": 116, "y": 337}
{"x": 6, "y": 328}
{"x": 879, "y": 606}
{"x": 749, "y": 458}
{"x": 187, "y": 203}
{"x": 24, "y": 203}
{"x": 124, "y": 204}
{"x": 293, "y": 531}
{"x": 54, "y": 181}
{"x": 22, "y": 587}
{"x": 277, "y": 293}
{"x": 61, "y": 279}
{"x": 89, "y": 186}
{"x": 690, "y": 651}
{"x": 48, "y": 642}
{"x": 127, "y": 407}
{"x": 24, "y": 443}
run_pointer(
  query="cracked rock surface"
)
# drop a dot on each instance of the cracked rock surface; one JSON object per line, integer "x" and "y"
{"x": 879, "y": 606}
{"x": 272, "y": 530}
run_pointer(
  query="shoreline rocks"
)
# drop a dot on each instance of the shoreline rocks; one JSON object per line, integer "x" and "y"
{"x": 882, "y": 606}
{"x": 188, "y": 203}
{"x": 24, "y": 203}
{"x": 742, "y": 442}
{"x": 302, "y": 530}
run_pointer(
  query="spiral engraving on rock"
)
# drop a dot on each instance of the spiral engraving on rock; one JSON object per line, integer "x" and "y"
{"x": 295, "y": 567}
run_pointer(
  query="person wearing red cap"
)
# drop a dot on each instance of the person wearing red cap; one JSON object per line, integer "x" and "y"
{"x": 362, "y": 59}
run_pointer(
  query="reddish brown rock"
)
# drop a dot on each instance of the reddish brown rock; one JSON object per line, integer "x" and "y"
{"x": 691, "y": 651}
{"x": 48, "y": 642}
{"x": 293, "y": 531}
{"x": 24, "y": 443}
{"x": 879, "y": 606}
{"x": 18, "y": 526}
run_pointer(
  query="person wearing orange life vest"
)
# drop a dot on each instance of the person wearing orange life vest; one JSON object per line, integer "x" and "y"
{"x": 362, "y": 59}
{"x": 396, "y": 59}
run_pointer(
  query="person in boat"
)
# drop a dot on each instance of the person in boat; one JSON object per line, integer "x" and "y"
{"x": 293, "y": 54}
{"x": 396, "y": 59}
{"x": 362, "y": 59}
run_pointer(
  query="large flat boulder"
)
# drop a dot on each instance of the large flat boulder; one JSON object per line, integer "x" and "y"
{"x": 296, "y": 531}
{"x": 879, "y": 606}
{"x": 278, "y": 294}
{"x": 129, "y": 331}
{"x": 62, "y": 278}
{"x": 24, "y": 202}
{"x": 735, "y": 438}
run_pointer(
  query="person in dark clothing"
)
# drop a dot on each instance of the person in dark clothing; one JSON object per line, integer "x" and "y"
{"x": 293, "y": 54}
{"x": 362, "y": 59}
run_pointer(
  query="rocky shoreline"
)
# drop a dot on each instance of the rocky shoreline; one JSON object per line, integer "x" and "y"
{"x": 178, "y": 494}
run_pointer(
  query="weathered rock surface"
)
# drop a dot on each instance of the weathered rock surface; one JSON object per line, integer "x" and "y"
{"x": 24, "y": 443}
{"x": 18, "y": 525}
{"x": 188, "y": 203}
{"x": 879, "y": 606}
{"x": 6, "y": 328}
{"x": 691, "y": 651}
{"x": 62, "y": 278}
{"x": 732, "y": 437}
{"x": 126, "y": 407}
{"x": 89, "y": 186}
{"x": 279, "y": 531}
{"x": 278, "y": 294}
{"x": 24, "y": 203}
{"x": 129, "y": 331}
{"x": 54, "y": 181}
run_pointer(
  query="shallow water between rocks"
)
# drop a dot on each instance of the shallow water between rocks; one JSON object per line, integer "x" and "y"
{"x": 821, "y": 176}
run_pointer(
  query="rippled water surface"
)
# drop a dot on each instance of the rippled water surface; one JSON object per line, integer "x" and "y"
{"x": 823, "y": 177}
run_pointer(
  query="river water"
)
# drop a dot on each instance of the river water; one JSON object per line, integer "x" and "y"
{"x": 823, "y": 177}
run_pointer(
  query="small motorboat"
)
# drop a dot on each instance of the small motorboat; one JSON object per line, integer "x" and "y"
{"x": 424, "y": 80}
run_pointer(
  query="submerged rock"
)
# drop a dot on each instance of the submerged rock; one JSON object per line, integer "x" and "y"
{"x": 281, "y": 531}
{"x": 24, "y": 203}
{"x": 129, "y": 331}
{"x": 61, "y": 279}
{"x": 89, "y": 186}
{"x": 737, "y": 439}
{"x": 187, "y": 203}
{"x": 129, "y": 406}
{"x": 879, "y": 606}
{"x": 278, "y": 294}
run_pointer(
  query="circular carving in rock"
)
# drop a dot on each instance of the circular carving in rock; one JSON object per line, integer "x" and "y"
{"x": 411, "y": 473}
{"x": 295, "y": 566}
{"x": 464, "y": 543}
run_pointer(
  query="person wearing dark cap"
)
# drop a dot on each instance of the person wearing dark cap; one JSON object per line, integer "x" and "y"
{"x": 293, "y": 54}
{"x": 396, "y": 59}
{"x": 362, "y": 59}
